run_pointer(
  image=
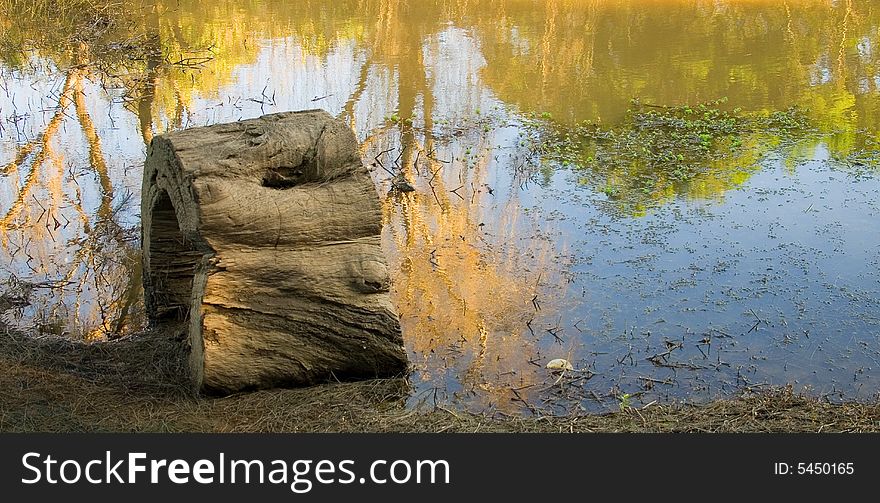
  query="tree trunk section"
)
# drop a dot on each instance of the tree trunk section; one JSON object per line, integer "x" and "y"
{"x": 263, "y": 237}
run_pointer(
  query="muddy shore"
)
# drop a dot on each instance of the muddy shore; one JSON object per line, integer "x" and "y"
{"x": 137, "y": 385}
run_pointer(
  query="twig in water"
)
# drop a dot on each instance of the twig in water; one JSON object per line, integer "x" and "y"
{"x": 455, "y": 191}
{"x": 521, "y": 399}
{"x": 758, "y": 321}
{"x": 553, "y": 331}
{"x": 380, "y": 154}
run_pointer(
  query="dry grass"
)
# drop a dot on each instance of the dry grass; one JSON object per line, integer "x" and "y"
{"x": 136, "y": 384}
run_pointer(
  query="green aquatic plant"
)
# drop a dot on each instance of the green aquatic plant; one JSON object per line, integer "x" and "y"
{"x": 625, "y": 402}
{"x": 609, "y": 190}
{"x": 657, "y": 152}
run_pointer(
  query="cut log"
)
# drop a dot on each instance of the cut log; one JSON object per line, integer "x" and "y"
{"x": 263, "y": 236}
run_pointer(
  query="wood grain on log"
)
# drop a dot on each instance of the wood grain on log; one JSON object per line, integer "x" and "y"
{"x": 263, "y": 236}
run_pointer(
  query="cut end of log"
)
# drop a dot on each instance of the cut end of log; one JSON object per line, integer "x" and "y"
{"x": 262, "y": 238}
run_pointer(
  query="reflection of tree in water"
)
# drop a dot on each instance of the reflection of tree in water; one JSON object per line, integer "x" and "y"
{"x": 81, "y": 265}
{"x": 464, "y": 292}
{"x": 86, "y": 259}
{"x": 570, "y": 59}
{"x": 576, "y": 60}
{"x": 602, "y": 54}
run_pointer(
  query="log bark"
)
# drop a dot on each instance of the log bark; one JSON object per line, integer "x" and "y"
{"x": 263, "y": 236}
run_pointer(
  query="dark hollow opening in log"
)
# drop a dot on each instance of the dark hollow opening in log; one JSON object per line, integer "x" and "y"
{"x": 172, "y": 263}
{"x": 285, "y": 177}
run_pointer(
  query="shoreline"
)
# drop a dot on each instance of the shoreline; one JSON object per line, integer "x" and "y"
{"x": 134, "y": 384}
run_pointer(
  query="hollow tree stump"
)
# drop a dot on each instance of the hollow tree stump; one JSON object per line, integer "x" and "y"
{"x": 263, "y": 237}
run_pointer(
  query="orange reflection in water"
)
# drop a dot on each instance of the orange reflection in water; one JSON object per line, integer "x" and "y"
{"x": 474, "y": 298}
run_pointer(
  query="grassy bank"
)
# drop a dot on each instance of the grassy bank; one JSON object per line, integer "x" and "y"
{"x": 136, "y": 384}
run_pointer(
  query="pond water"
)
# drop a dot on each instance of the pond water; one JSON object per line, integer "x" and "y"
{"x": 558, "y": 210}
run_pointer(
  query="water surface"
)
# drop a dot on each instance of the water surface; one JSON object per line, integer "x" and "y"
{"x": 759, "y": 269}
